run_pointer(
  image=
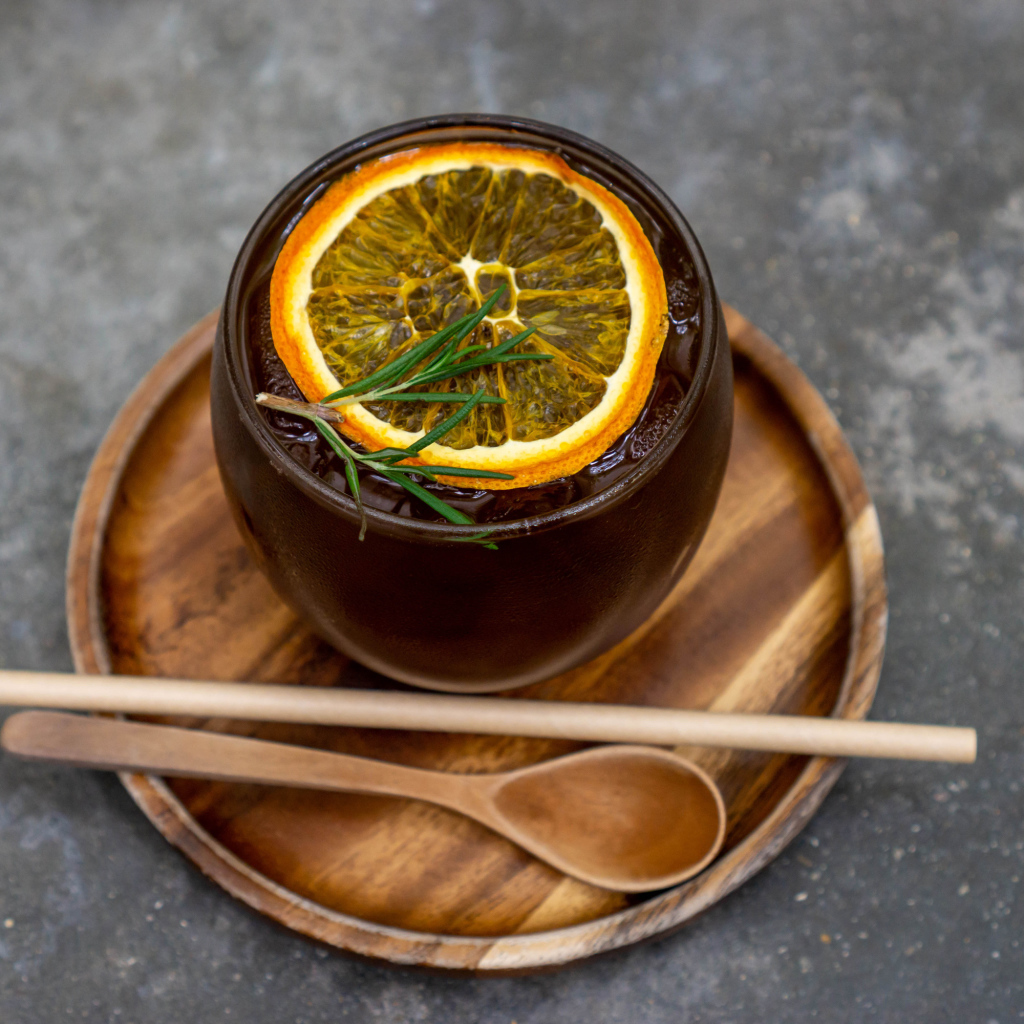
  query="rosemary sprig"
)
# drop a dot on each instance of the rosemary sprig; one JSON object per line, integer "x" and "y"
{"x": 437, "y": 358}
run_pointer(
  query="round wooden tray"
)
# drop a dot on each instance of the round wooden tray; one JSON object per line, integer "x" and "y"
{"x": 783, "y": 609}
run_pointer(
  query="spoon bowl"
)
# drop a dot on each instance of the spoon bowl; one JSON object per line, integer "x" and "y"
{"x": 621, "y": 817}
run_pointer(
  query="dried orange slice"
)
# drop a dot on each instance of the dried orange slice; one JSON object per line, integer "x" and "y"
{"x": 408, "y": 243}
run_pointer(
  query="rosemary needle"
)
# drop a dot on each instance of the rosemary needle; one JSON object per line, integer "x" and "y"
{"x": 394, "y": 382}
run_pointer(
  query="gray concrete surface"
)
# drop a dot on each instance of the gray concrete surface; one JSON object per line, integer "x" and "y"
{"x": 856, "y": 173}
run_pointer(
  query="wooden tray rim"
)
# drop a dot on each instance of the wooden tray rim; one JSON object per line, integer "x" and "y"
{"x": 503, "y": 954}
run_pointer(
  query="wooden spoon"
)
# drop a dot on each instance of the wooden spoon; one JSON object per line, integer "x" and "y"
{"x": 623, "y": 817}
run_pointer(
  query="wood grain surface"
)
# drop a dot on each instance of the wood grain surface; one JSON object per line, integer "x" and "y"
{"x": 782, "y": 610}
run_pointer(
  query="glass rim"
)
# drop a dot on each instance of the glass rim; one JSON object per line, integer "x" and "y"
{"x": 388, "y": 522}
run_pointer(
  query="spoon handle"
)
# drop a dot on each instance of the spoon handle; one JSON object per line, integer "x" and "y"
{"x": 165, "y": 750}
{"x": 381, "y": 709}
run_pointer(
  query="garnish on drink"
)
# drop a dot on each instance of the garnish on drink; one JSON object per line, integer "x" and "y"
{"x": 468, "y": 313}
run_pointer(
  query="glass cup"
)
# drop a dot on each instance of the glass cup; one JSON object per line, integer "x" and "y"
{"x": 413, "y": 600}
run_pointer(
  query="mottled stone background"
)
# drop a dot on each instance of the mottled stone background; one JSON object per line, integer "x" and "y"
{"x": 856, "y": 173}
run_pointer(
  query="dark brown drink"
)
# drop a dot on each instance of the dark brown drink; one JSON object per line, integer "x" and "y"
{"x": 580, "y": 561}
